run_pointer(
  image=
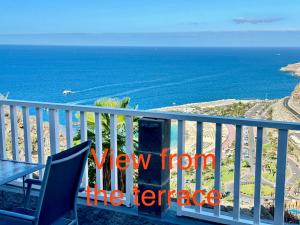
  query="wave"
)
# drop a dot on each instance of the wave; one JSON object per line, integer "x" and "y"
{"x": 142, "y": 89}
{"x": 114, "y": 85}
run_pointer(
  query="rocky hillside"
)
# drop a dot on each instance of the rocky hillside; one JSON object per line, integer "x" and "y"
{"x": 292, "y": 68}
{"x": 33, "y": 136}
{"x": 295, "y": 99}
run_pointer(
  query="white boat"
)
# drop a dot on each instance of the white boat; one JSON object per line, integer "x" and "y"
{"x": 67, "y": 92}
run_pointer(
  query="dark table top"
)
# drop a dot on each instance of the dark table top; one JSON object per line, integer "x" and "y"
{"x": 12, "y": 170}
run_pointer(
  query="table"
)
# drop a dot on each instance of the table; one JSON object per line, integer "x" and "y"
{"x": 12, "y": 170}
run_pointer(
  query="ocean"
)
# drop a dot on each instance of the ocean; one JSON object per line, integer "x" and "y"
{"x": 151, "y": 77}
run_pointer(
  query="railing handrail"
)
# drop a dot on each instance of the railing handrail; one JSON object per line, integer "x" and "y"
{"x": 159, "y": 114}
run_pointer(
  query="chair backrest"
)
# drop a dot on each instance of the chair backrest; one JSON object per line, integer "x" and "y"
{"x": 61, "y": 182}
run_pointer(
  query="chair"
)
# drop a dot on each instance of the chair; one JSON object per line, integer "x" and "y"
{"x": 58, "y": 193}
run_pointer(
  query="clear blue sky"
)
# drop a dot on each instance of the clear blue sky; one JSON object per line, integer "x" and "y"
{"x": 146, "y": 16}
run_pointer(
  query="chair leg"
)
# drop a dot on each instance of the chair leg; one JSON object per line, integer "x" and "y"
{"x": 27, "y": 195}
{"x": 76, "y": 216}
{"x": 23, "y": 187}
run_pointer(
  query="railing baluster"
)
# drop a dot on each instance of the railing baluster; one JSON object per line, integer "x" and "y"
{"x": 280, "y": 177}
{"x": 54, "y": 131}
{"x": 69, "y": 129}
{"x": 129, "y": 152}
{"x": 2, "y": 134}
{"x": 114, "y": 148}
{"x": 27, "y": 139}
{"x": 40, "y": 138}
{"x": 99, "y": 150}
{"x": 218, "y": 146}
{"x": 180, "y": 150}
{"x": 258, "y": 168}
{"x": 199, "y": 150}
{"x": 83, "y": 137}
{"x": 237, "y": 172}
{"x": 14, "y": 132}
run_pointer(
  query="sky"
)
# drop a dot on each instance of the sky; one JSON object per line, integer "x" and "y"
{"x": 98, "y": 22}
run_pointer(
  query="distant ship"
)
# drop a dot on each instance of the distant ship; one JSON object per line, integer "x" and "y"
{"x": 67, "y": 92}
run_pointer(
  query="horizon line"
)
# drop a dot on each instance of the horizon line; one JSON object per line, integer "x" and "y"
{"x": 152, "y": 32}
{"x": 139, "y": 46}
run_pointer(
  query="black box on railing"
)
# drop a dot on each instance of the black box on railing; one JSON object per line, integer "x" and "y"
{"x": 154, "y": 136}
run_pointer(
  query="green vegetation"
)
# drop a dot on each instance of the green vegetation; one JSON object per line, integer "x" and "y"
{"x": 270, "y": 157}
{"x": 270, "y": 160}
{"x": 227, "y": 175}
{"x": 245, "y": 164}
{"x": 236, "y": 109}
{"x": 269, "y": 176}
{"x": 269, "y": 114}
{"x": 248, "y": 189}
{"x": 121, "y": 138}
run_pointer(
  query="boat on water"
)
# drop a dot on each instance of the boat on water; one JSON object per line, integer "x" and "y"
{"x": 67, "y": 92}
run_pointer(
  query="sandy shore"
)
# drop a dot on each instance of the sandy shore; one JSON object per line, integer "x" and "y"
{"x": 195, "y": 107}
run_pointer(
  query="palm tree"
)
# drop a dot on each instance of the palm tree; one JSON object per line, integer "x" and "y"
{"x": 121, "y": 139}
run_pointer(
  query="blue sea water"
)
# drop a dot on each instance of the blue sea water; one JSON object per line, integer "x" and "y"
{"x": 152, "y": 77}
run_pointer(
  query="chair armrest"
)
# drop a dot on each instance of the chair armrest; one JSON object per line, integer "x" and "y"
{"x": 33, "y": 181}
{"x": 16, "y": 215}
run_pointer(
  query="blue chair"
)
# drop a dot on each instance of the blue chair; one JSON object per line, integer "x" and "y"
{"x": 58, "y": 193}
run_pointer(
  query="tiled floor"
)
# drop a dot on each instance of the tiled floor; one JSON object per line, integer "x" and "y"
{"x": 108, "y": 216}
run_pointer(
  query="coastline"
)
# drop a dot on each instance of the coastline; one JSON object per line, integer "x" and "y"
{"x": 292, "y": 68}
{"x": 194, "y": 107}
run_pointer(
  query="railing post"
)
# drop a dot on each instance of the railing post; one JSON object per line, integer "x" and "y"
{"x": 14, "y": 132}
{"x": 40, "y": 138}
{"x": 218, "y": 152}
{"x": 258, "y": 168}
{"x": 27, "y": 139}
{"x": 83, "y": 138}
{"x": 280, "y": 177}
{"x": 199, "y": 150}
{"x": 54, "y": 131}
{"x": 154, "y": 136}
{"x": 69, "y": 129}
{"x": 180, "y": 151}
{"x": 2, "y": 134}
{"x": 237, "y": 172}
{"x": 98, "y": 146}
{"x": 129, "y": 151}
{"x": 114, "y": 148}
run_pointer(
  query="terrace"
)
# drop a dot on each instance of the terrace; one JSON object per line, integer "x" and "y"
{"x": 60, "y": 118}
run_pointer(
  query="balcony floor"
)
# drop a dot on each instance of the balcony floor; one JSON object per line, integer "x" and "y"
{"x": 11, "y": 197}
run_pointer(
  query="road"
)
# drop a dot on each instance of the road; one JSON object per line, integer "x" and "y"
{"x": 254, "y": 112}
{"x": 294, "y": 171}
{"x": 286, "y": 105}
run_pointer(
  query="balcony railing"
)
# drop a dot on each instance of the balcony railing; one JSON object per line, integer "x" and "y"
{"x": 57, "y": 110}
